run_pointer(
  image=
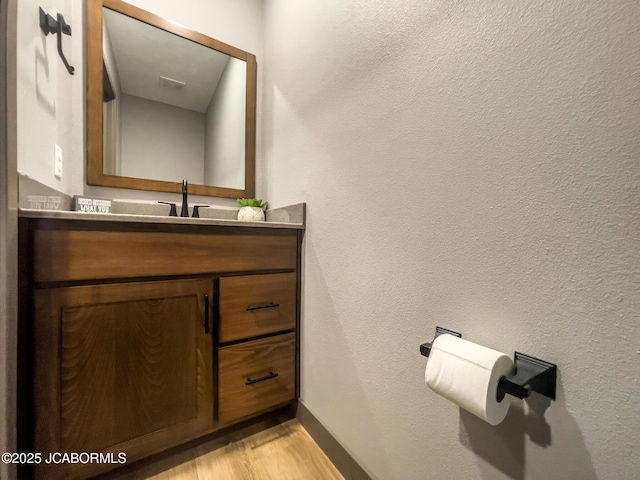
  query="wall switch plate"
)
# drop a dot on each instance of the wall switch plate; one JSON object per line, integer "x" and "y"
{"x": 57, "y": 169}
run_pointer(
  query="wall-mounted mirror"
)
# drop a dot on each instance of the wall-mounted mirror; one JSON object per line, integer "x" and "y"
{"x": 166, "y": 103}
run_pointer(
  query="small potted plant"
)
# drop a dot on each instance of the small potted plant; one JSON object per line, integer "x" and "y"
{"x": 251, "y": 209}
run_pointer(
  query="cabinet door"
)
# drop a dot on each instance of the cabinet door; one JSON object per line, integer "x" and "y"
{"x": 122, "y": 367}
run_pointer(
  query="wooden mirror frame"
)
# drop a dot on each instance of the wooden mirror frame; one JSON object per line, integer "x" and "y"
{"x": 94, "y": 66}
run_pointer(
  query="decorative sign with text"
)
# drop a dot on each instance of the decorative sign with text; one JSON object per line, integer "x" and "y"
{"x": 92, "y": 205}
{"x": 44, "y": 202}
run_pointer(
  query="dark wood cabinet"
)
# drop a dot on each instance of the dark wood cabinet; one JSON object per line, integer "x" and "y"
{"x": 136, "y": 356}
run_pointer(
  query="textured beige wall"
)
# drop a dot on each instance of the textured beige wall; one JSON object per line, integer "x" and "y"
{"x": 50, "y": 108}
{"x": 473, "y": 165}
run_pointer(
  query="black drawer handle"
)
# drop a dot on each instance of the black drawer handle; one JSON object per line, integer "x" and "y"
{"x": 260, "y": 307}
{"x": 206, "y": 314}
{"x": 261, "y": 379}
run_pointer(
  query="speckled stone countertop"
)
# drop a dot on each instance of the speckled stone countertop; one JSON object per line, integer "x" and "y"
{"x": 40, "y": 201}
{"x": 286, "y": 217}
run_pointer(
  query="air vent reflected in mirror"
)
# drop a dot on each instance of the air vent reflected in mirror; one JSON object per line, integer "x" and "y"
{"x": 171, "y": 83}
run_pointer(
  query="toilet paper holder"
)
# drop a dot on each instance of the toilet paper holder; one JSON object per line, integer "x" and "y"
{"x": 529, "y": 374}
{"x": 425, "y": 348}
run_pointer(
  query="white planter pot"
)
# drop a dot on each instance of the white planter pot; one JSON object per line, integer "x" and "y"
{"x": 251, "y": 214}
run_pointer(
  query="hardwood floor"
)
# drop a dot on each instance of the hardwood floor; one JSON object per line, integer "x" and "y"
{"x": 285, "y": 451}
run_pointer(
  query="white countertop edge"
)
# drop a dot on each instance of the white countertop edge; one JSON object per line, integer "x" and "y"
{"x": 118, "y": 217}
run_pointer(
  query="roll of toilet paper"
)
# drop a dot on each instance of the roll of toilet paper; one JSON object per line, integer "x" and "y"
{"x": 468, "y": 374}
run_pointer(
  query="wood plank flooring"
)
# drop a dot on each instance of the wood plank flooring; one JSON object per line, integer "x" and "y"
{"x": 282, "y": 452}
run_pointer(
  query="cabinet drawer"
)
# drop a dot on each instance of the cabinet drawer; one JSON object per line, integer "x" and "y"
{"x": 73, "y": 255}
{"x": 257, "y": 375}
{"x": 254, "y": 305}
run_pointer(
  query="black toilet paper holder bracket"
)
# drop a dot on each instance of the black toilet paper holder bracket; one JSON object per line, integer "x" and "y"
{"x": 425, "y": 348}
{"x": 529, "y": 374}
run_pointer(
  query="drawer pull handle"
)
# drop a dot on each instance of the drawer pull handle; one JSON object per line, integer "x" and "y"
{"x": 260, "y": 307}
{"x": 261, "y": 379}
{"x": 206, "y": 314}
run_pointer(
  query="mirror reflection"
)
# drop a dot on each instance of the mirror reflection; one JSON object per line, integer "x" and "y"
{"x": 172, "y": 108}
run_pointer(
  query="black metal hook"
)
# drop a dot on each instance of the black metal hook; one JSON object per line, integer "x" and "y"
{"x": 49, "y": 25}
{"x": 529, "y": 374}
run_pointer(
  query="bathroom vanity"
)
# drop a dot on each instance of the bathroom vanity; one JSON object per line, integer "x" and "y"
{"x": 140, "y": 335}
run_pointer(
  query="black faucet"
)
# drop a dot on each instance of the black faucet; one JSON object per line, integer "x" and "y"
{"x": 185, "y": 202}
{"x": 184, "y": 212}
